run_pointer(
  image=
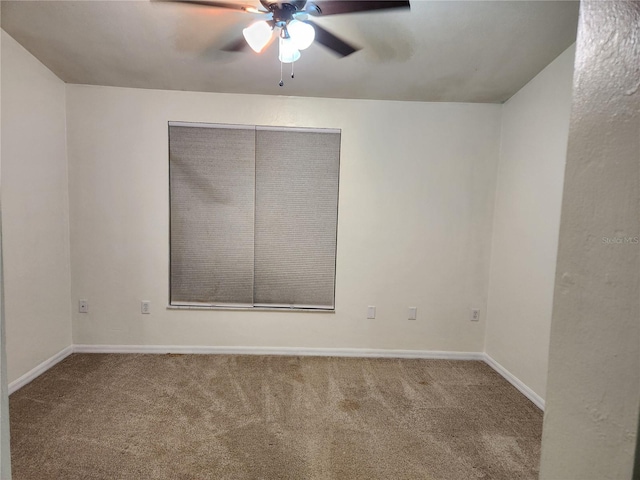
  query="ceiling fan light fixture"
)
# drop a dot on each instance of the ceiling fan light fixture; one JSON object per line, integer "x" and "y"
{"x": 288, "y": 51}
{"x": 301, "y": 33}
{"x": 257, "y": 35}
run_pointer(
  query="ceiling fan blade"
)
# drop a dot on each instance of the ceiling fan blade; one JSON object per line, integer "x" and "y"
{"x": 237, "y": 45}
{"x": 336, "y": 7}
{"x": 232, "y": 6}
{"x": 329, "y": 40}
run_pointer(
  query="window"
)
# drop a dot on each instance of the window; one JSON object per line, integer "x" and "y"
{"x": 254, "y": 215}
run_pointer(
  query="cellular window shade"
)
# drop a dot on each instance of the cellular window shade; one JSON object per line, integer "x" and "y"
{"x": 296, "y": 216}
{"x": 212, "y": 186}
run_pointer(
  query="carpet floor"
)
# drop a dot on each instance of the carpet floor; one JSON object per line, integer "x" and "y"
{"x": 110, "y": 417}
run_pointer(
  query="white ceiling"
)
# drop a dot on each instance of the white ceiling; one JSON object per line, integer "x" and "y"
{"x": 460, "y": 51}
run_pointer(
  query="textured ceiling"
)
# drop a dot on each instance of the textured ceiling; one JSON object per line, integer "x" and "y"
{"x": 460, "y": 51}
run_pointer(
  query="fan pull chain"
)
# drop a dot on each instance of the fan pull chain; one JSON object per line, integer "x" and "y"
{"x": 281, "y": 82}
{"x": 292, "y": 69}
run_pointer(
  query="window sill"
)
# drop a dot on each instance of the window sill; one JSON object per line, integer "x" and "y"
{"x": 252, "y": 309}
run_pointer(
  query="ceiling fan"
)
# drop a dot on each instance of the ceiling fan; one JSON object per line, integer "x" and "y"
{"x": 295, "y": 31}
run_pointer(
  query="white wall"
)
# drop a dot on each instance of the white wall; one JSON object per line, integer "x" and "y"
{"x": 35, "y": 212}
{"x": 415, "y": 216}
{"x": 535, "y": 125}
{"x": 591, "y": 419}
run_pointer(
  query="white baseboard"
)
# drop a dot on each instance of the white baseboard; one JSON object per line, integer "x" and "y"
{"x": 40, "y": 369}
{"x": 318, "y": 352}
{"x": 515, "y": 381}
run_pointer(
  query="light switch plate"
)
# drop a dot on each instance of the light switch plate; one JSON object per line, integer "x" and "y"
{"x": 371, "y": 312}
{"x": 145, "y": 307}
{"x": 413, "y": 313}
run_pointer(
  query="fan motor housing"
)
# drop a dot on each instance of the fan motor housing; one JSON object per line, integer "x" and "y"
{"x": 283, "y": 11}
{"x": 298, "y": 5}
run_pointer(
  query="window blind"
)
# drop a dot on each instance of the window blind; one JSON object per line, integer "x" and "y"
{"x": 296, "y": 217}
{"x": 212, "y": 185}
{"x": 253, "y": 215}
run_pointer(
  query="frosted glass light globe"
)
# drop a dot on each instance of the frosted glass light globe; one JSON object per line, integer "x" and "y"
{"x": 288, "y": 51}
{"x": 257, "y": 35}
{"x": 301, "y": 33}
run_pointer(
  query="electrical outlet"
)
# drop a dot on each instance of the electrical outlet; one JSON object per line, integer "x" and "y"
{"x": 145, "y": 307}
{"x": 413, "y": 313}
{"x": 475, "y": 314}
{"x": 83, "y": 306}
{"x": 371, "y": 312}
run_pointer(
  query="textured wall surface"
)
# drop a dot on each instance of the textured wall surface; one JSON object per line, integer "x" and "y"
{"x": 5, "y": 453}
{"x": 594, "y": 375}
{"x": 535, "y": 127}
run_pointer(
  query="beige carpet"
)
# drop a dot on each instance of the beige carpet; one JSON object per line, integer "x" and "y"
{"x": 258, "y": 417}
